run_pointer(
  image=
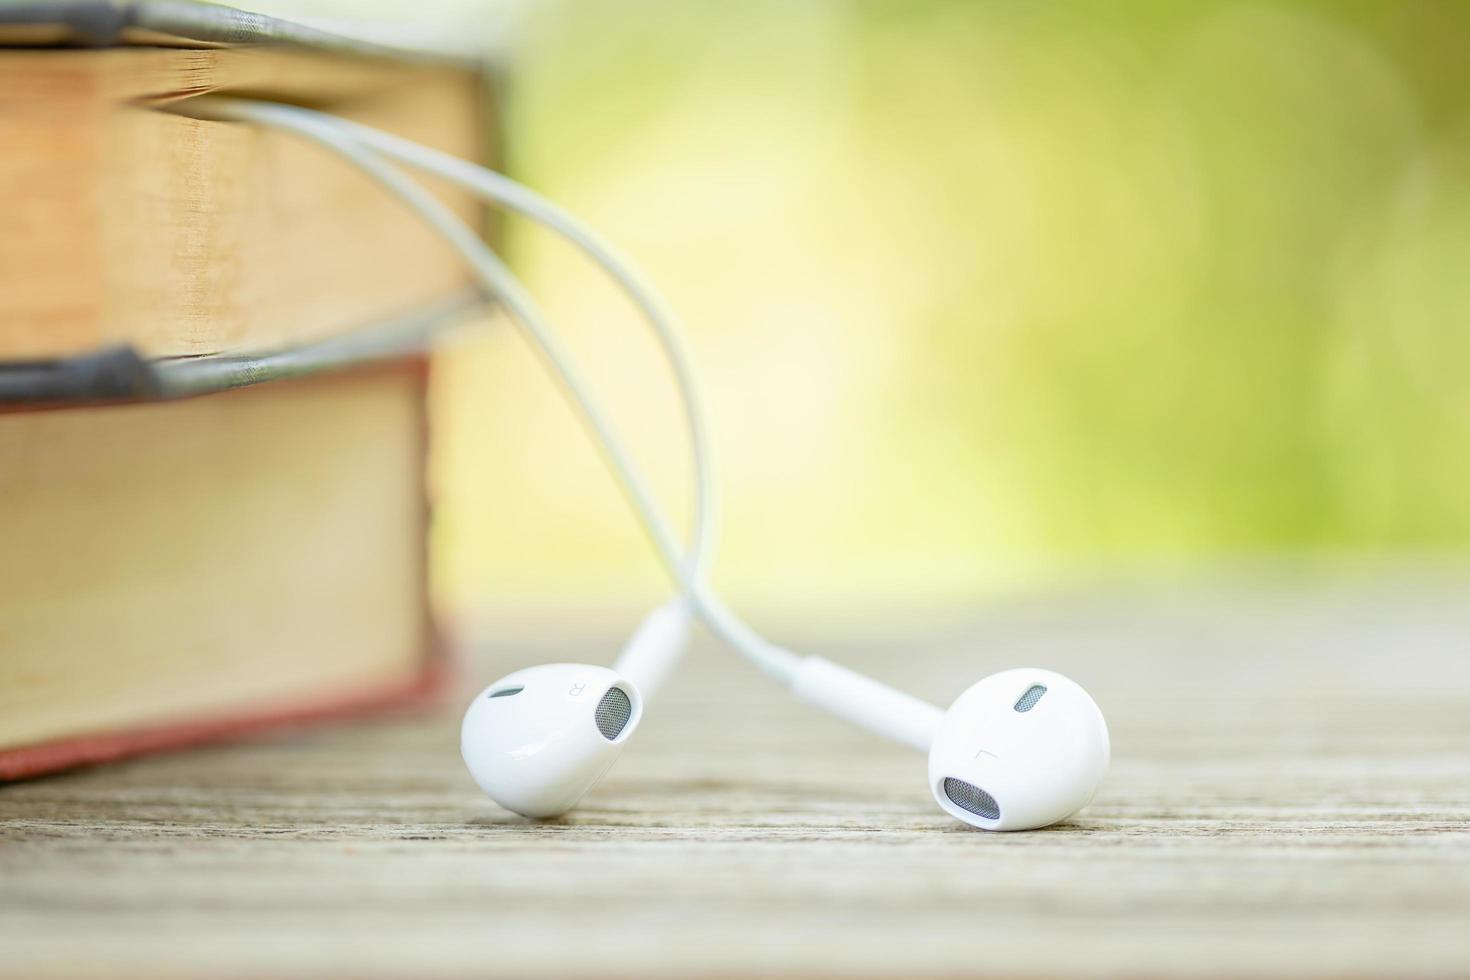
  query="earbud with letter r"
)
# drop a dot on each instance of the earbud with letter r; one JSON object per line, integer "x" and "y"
{"x": 538, "y": 739}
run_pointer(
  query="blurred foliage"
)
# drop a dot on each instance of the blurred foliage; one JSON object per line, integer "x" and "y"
{"x": 988, "y": 293}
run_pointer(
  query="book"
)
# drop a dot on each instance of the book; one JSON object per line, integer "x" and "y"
{"x": 125, "y": 225}
{"x": 187, "y": 569}
{"x": 213, "y": 380}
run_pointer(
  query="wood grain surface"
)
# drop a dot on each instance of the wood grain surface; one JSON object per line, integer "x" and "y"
{"x": 1290, "y": 795}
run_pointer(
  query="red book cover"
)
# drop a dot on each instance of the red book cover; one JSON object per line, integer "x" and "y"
{"x": 26, "y": 761}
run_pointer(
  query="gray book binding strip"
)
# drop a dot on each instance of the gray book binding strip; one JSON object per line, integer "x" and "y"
{"x": 121, "y": 374}
{"x": 101, "y": 23}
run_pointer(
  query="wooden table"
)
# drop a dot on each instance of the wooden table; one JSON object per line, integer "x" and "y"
{"x": 1290, "y": 794}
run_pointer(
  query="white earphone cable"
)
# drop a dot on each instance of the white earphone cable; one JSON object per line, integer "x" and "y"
{"x": 502, "y": 190}
{"x": 499, "y": 282}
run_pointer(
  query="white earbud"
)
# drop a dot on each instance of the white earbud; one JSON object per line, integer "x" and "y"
{"x": 1018, "y": 750}
{"x": 537, "y": 740}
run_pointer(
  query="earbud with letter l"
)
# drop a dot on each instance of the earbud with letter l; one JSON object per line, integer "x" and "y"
{"x": 1021, "y": 749}
{"x": 1018, "y": 750}
{"x": 538, "y": 739}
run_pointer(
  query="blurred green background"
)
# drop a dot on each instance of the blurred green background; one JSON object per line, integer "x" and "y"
{"x": 987, "y": 295}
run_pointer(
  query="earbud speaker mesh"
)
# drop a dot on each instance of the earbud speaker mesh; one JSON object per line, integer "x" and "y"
{"x": 1029, "y": 699}
{"x": 970, "y": 797}
{"x": 613, "y": 712}
{"x": 507, "y": 692}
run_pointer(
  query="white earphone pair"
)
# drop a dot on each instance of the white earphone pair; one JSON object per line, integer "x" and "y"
{"x": 1017, "y": 750}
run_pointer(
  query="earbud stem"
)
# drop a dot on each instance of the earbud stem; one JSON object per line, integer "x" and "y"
{"x": 866, "y": 703}
{"x": 656, "y": 646}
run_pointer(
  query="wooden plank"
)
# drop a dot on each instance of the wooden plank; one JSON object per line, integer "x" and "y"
{"x": 1290, "y": 794}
